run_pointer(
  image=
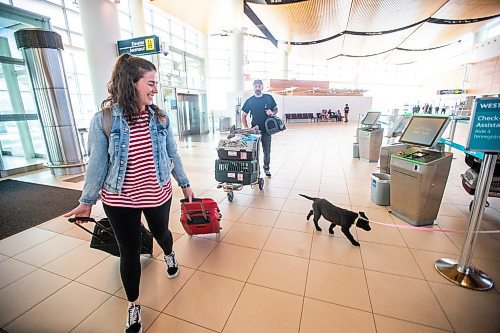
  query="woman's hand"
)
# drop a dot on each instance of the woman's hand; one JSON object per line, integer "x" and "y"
{"x": 82, "y": 210}
{"x": 188, "y": 193}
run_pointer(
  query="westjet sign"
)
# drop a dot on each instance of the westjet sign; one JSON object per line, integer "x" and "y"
{"x": 484, "y": 131}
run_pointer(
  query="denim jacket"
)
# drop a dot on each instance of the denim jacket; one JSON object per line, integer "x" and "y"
{"x": 108, "y": 161}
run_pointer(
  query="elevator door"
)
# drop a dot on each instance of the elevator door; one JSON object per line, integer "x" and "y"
{"x": 188, "y": 112}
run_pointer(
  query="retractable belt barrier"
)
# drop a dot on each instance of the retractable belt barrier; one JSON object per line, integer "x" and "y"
{"x": 458, "y": 146}
{"x": 432, "y": 229}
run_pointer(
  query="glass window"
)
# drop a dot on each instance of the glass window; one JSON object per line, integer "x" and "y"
{"x": 163, "y": 35}
{"x": 77, "y": 40}
{"x": 123, "y": 6}
{"x": 191, "y": 48}
{"x": 177, "y": 30}
{"x": 74, "y": 22}
{"x": 72, "y": 4}
{"x": 159, "y": 19}
{"x": 5, "y": 104}
{"x": 218, "y": 53}
{"x": 125, "y": 22}
{"x": 45, "y": 8}
{"x": 125, "y": 34}
{"x": 178, "y": 42}
{"x": 149, "y": 29}
{"x": 191, "y": 37}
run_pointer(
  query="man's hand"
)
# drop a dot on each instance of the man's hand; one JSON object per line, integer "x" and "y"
{"x": 269, "y": 112}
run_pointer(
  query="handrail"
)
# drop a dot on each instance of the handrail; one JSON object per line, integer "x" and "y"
{"x": 462, "y": 148}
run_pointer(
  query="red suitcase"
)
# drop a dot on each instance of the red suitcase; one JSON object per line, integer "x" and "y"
{"x": 201, "y": 216}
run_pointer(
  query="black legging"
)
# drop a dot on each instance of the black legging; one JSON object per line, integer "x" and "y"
{"x": 126, "y": 224}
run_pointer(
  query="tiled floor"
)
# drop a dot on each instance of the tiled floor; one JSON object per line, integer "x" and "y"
{"x": 269, "y": 270}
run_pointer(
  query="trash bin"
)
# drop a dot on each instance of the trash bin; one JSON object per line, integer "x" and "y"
{"x": 224, "y": 124}
{"x": 355, "y": 150}
{"x": 381, "y": 189}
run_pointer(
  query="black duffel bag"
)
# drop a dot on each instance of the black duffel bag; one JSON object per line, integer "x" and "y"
{"x": 104, "y": 239}
{"x": 274, "y": 125}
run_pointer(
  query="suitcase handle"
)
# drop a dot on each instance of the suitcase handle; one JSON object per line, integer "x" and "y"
{"x": 183, "y": 205}
{"x": 192, "y": 199}
{"x": 89, "y": 219}
{"x": 83, "y": 219}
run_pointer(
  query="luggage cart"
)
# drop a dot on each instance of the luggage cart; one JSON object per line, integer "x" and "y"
{"x": 471, "y": 175}
{"x": 238, "y": 162}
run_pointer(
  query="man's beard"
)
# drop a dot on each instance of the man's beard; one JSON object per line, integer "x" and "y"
{"x": 258, "y": 92}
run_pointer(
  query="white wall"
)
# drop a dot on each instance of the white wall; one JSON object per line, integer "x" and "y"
{"x": 314, "y": 104}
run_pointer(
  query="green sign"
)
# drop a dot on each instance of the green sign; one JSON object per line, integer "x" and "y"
{"x": 451, "y": 92}
{"x": 139, "y": 46}
{"x": 484, "y": 131}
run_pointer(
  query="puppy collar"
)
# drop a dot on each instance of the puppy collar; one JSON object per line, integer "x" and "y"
{"x": 356, "y": 220}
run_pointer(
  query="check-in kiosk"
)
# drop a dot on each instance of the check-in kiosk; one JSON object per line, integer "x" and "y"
{"x": 392, "y": 133}
{"x": 419, "y": 173}
{"x": 370, "y": 137}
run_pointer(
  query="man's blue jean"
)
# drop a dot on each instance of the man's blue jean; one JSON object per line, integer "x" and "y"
{"x": 266, "y": 147}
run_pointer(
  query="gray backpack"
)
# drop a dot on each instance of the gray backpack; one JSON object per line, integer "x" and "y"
{"x": 274, "y": 125}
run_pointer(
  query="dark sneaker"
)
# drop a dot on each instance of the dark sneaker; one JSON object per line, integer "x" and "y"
{"x": 172, "y": 265}
{"x": 133, "y": 324}
{"x": 268, "y": 173}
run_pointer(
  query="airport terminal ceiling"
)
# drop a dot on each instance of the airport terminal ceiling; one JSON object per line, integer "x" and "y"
{"x": 389, "y": 31}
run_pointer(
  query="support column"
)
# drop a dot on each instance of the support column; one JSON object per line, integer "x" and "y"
{"x": 284, "y": 50}
{"x": 236, "y": 60}
{"x": 137, "y": 16}
{"x": 42, "y": 53}
{"x": 236, "y": 69}
{"x": 101, "y": 30}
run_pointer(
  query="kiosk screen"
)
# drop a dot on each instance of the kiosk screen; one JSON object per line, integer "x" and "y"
{"x": 399, "y": 126}
{"x": 370, "y": 118}
{"x": 424, "y": 130}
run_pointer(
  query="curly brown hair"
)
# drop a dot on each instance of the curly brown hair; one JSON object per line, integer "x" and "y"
{"x": 126, "y": 72}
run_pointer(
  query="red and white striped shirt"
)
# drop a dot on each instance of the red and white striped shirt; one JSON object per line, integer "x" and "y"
{"x": 140, "y": 187}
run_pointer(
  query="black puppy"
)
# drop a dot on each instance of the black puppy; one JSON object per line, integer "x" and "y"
{"x": 337, "y": 216}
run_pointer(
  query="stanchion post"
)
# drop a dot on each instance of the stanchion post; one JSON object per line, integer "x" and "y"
{"x": 453, "y": 126}
{"x": 462, "y": 272}
{"x": 484, "y": 183}
{"x": 484, "y": 131}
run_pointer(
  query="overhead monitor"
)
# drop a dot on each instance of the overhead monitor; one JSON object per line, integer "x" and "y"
{"x": 424, "y": 131}
{"x": 398, "y": 127}
{"x": 370, "y": 118}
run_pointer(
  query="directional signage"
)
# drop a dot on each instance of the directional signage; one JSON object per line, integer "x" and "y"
{"x": 139, "y": 46}
{"x": 451, "y": 92}
{"x": 484, "y": 131}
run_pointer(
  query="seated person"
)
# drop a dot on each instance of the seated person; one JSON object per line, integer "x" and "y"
{"x": 331, "y": 115}
{"x": 324, "y": 114}
{"x": 339, "y": 116}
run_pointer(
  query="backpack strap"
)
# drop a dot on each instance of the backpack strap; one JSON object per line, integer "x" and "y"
{"x": 106, "y": 121}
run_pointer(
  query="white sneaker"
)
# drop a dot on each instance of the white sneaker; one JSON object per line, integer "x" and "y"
{"x": 133, "y": 324}
{"x": 172, "y": 265}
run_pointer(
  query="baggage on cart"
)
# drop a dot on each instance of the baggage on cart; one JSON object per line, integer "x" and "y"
{"x": 104, "y": 239}
{"x": 242, "y": 172}
{"x": 238, "y": 162}
{"x": 238, "y": 149}
{"x": 471, "y": 176}
{"x": 201, "y": 216}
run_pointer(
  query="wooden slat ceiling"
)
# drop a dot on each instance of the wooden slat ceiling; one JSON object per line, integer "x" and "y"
{"x": 314, "y": 20}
